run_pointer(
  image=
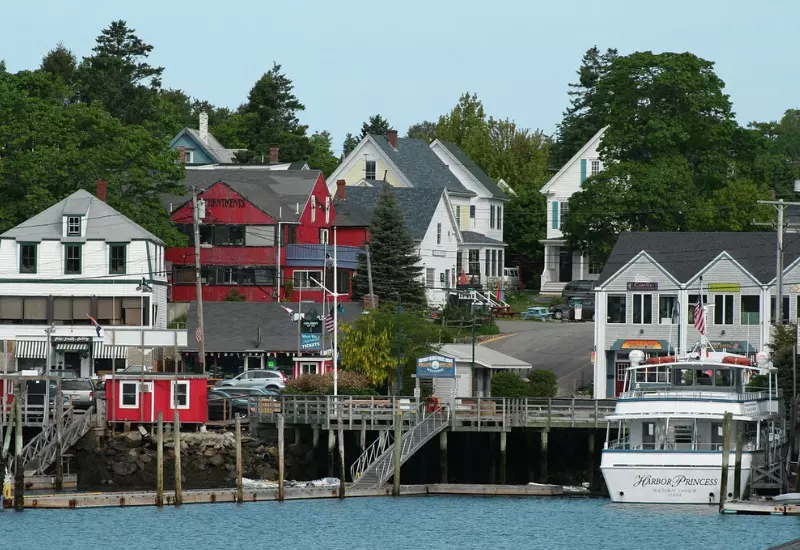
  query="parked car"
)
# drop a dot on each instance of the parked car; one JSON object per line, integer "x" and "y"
{"x": 79, "y": 391}
{"x": 582, "y": 288}
{"x": 261, "y": 378}
{"x": 567, "y": 311}
{"x": 137, "y": 369}
{"x": 63, "y": 373}
{"x": 511, "y": 278}
{"x": 227, "y": 402}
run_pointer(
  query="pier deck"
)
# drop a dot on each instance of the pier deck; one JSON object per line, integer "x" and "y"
{"x": 767, "y": 507}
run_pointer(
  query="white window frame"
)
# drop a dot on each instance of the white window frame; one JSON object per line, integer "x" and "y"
{"x": 620, "y": 367}
{"x": 430, "y": 277}
{"x": 563, "y": 212}
{"x": 595, "y": 267}
{"x": 122, "y": 384}
{"x": 643, "y": 309}
{"x": 438, "y": 233}
{"x": 188, "y": 156}
{"x": 458, "y": 216}
{"x": 595, "y": 167}
{"x": 723, "y": 309}
{"x": 374, "y": 169}
{"x": 314, "y": 366}
{"x": 324, "y": 236}
{"x": 309, "y": 284}
{"x": 172, "y": 386}
{"x": 70, "y": 226}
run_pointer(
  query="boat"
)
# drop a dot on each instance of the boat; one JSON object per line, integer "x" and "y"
{"x": 669, "y": 427}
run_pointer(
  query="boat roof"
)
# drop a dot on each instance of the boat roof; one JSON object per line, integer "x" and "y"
{"x": 714, "y": 359}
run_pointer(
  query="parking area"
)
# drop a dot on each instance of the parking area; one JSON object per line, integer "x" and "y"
{"x": 565, "y": 348}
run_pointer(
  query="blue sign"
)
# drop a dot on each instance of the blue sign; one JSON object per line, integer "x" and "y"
{"x": 436, "y": 366}
{"x": 310, "y": 341}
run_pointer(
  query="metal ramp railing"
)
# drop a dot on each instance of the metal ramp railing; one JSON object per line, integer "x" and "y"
{"x": 375, "y": 465}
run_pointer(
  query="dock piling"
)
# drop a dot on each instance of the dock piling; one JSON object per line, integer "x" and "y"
{"x": 160, "y": 462}
{"x": 59, "y": 437}
{"x": 239, "y": 485}
{"x": 19, "y": 467}
{"x": 340, "y": 425}
{"x": 398, "y": 447}
{"x": 737, "y": 465}
{"x": 591, "y": 458}
{"x": 363, "y": 439}
{"x": 726, "y": 451}
{"x": 503, "y": 435}
{"x": 176, "y": 434}
{"x": 281, "y": 459}
{"x": 543, "y": 455}
{"x": 443, "y": 456}
{"x": 331, "y": 450}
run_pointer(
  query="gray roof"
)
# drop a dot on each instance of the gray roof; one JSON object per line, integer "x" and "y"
{"x": 102, "y": 222}
{"x": 471, "y": 237}
{"x": 484, "y": 356}
{"x": 213, "y": 148}
{"x": 683, "y": 255}
{"x": 233, "y": 326}
{"x": 417, "y": 161}
{"x": 468, "y": 164}
{"x": 350, "y": 214}
{"x": 418, "y": 204}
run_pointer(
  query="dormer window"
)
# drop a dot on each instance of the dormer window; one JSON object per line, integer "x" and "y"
{"x": 73, "y": 226}
{"x": 371, "y": 170}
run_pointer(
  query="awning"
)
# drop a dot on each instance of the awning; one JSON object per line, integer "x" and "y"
{"x": 644, "y": 345}
{"x": 72, "y": 347}
{"x": 31, "y": 349}
{"x": 102, "y": 351}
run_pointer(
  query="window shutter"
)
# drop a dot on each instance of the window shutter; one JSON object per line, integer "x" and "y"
{"x": 555, "y": 215}
{"x": 583, "y": 171}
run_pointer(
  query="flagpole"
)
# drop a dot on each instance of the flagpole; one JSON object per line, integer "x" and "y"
{"x": 335, "y": 351}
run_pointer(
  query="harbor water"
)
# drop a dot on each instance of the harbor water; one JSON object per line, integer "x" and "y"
{"x": 397, "y": 523}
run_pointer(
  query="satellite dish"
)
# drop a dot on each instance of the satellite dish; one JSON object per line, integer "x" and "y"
{"x": 636, "y": 357}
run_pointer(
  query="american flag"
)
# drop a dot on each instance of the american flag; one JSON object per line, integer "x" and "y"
{"x": 198, "y": 334}
{"x": 329, "y": 324}
{"x": 699, "y": 318}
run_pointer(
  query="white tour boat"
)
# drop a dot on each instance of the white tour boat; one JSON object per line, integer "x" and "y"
{"x": 669, "y": 421}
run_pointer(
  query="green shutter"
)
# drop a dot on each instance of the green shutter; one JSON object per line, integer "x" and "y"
{"x": 555, "y": 214}
{"x": 583, "y": 171}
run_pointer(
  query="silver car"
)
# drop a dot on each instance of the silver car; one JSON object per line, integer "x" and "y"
{"x": 269, "y": 379}
{"x": 79, "y": 392}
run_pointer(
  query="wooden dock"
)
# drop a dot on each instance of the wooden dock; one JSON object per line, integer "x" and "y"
{"x": 760, "y": 508}
{"x": 228, "y": 495}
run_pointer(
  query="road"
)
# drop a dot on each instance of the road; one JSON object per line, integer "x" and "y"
{"x": 565, "y": 348}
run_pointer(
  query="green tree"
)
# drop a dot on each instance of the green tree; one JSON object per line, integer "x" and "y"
{"x": 395, "y": 270}
{"x": 322, "y": 157}
{"x": 350, "y": 142}
{"x": 525, "y": 220}
{"x": 376, "y": 125}
{"x": 60, "y": 62}
{"x": 425, "y": 130}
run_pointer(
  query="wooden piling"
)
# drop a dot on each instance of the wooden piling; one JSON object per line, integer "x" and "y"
{"x": 281, "y": 458}
{"x": 591, "y": 458}
{"x": 176, "y": 434}
{"x": 726, "y": 451}
{"x": 160, "y": 462}
{"x": 398, "y": 447}
{"x": 59, "y": 401}
{"x": 443, "y": 456}
{"x": 331, "y": 452}
{"x": 363, "y": 439}
{"x": 737, "y": 465}
{"x": 503, "y": 458}
{"x": 239, "y": 484}
{"x": 543, "y": 456}
{"x": 530, "y": 454}
{"x": 315, "y": 437}
{"x": 490, "y": 448}
{"x": 297, "y": 437}
{"x": 19, "y": 467}
{"x": 342, "y": 474}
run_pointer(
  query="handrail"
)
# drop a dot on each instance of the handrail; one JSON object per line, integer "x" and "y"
{"x": 624, "y": 444}
{"x": 698, "y": 394}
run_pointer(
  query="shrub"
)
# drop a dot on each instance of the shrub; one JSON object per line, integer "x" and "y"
{"x": 543, "y": 383}
{"x": 508, "y": 384}
{"x": 350, "y": 383}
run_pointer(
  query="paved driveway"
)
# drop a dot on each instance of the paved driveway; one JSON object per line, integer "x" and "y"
{"x": 565, "y": 348}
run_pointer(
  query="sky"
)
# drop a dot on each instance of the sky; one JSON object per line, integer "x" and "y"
{"x": 410, "y": 60}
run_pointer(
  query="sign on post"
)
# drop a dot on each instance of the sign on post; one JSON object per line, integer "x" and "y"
{"x": 436, "y": 366}
{"x": 310, "y": 341}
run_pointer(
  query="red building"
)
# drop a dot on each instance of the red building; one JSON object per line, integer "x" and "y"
{"x": 130, "y": 401}
{"x": 265, "y": 233}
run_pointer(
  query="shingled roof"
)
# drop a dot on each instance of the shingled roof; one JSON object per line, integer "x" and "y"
{"x": 477, "y": 172}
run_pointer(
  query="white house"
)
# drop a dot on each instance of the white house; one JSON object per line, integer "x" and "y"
{"x": 77, "y": 261}
{"x": 562, "y": 265}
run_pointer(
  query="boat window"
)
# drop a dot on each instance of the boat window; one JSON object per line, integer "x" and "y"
{"x": 683, "y": 377}
{"x": 703, "y": 377}
{"x": 648, "y": 435}
{"x": 723, "y": 377}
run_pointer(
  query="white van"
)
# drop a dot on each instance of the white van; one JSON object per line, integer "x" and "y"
{"x": 511, "y": 278}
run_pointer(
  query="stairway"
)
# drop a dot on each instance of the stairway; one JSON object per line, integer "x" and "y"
{"x": 41, "y": 452}
{"x": 375, "y": 466}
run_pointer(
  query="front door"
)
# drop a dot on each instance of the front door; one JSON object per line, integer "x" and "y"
{"x": 564, "y": 265}
{"x": 72, "y": 361}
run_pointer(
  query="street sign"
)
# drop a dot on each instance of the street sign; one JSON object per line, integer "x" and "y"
{"x": 416, "y": 393}
{"x": 436, "y": 366}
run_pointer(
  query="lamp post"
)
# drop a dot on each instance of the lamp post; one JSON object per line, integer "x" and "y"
{"x": 48, "y": 331}
{"x": 142, "y": 288}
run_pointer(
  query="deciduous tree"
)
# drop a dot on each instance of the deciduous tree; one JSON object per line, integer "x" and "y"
{"x": 425, "y": 130}
{"x": 322, "y": 157}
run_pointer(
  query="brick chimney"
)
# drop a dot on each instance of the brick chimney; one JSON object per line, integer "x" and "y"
{"x": 391, "y": 135}
{"x": 340, "y": 193}
{"x": 273, "y": 154}
{"x": 204, "y": 127}
{"x": 102, "y": 190}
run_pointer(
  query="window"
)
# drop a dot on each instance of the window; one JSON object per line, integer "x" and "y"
{"x": 73, "y": 226}
{"x": 303, "y": 279}
{"x": 474, "y": 262}
{"x": 230, "y": 276}
{"x": 308, "y": 368}
{"x": 206, "y": 234}
{"x": 750, "y": 310}
{"x": 188, "y": 156}
{"x": 182, "y": 275}
{"x": 494, "y": 263}
{"x": 643, "y": 309}
{"x": 682, "y": 377}
{"x": 259, "y": 235}
{"x": 723, "y": 377}
{"x": 595, "y": 266}
{"x": 370, "y": 169}
{"x": 491, "y": 216}
{"x": 621, "y": 368}
{"x": 616, "y": 309}
{"x": 472, "y": 213}
{"x": 595, "y": 167}
{"x": 179, "y": 396}
{"x": 128, "y": 395}
{"x": 458, "y": 216}
{"x": 291, "y": 234}
{"x": 343, "y": 281}
{"x": 460, "y": 261}
{"x": 116, "y": 264}
{"x": 702, "y": 377}
{"x": 430, "y": 277}
{"x": 27, "y": 258}
{"x": 72, "y": 259}
{"x": 499, "y": 217}
{"x": 692, "y": 303}
{"x": 784, "y": 313}
{"x": 487, "y": 261}
{"x": 723, "y": 309}
{"x": 667, "y": 309}
{"x": 323, "y": 236}
{"x": 438, "y": 233}
{"x": 564, "y": 213}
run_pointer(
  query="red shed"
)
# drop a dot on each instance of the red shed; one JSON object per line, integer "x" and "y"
{"x": 130, "y": 401}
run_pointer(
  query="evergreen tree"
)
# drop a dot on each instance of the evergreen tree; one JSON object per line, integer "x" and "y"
{"x": 61, "y": 62}
{"x": 350, "y": 142}
{"x": 376, "y": 125}
{"x": 395, "y": 270}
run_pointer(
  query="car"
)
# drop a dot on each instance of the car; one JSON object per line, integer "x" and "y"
{"x": 260, "y": 378}
{"x": 79, "y": 391}
{"x": 511, "y": 278}
{"x": 567, "y": 311}
{"x": 237, "y": 391}
{"x": 55, "y": 371}
{"x": 583, "y": 288}
{"x": 222, "y": 406}
{"x": 136, "y": 369}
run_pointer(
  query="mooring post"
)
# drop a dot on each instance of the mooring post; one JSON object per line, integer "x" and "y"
{"x": 591, "y": 458}
{"x": 176, "y": 434}
{"x": 239, "y": 485}
{"x": 398, "y": 447}
{"x": 281, "y": 458}
{"x": 503, "y": 458}
{"x": 340, "y": 428}
{"x": 543, "y": 456}
{"x": 737, "y": 465}
{"x": 331, "y": 452}
{"x": 160, "y": 462}
{"x": 363, "y": 439}
{"x": 315, "y": 437}
{"x": 726, "y": 451}
{"x": 19, "y": 467}
{"x": 297, "y": 437}
{"x": 59, "y": 436}
{"x": 443, "y": 456}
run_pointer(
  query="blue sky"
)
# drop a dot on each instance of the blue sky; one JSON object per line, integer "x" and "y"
{"x": 410, "y": 60}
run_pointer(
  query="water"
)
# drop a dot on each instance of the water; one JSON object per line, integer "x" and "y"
{"x": 405, "y": 523}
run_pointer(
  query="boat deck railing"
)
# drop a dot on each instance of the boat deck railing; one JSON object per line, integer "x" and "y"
{"x": 625, "y": 444}
{"x": 678, "y": 393}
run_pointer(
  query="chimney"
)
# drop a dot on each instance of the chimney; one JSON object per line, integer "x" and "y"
{"x": 102, "y": 190}
{"x": 340, "y": 194}
{"x": 204, "y": 127}
{"x": 391, "y": 135}
{"x": 273, "y": 154}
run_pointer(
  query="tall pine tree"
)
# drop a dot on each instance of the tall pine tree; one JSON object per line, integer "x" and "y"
{"x": 395, "y": 270}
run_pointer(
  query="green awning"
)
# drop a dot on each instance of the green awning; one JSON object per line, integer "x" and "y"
{"x": 80, "y": 348}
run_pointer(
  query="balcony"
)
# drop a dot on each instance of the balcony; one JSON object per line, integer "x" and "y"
{"x": 313, "y": 255}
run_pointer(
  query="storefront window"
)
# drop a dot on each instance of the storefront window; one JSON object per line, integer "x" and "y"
{"x": 667, "y": 309}
{"x": 723, "y": 309}
{"x": 643, "y": 309}
{"x": 616, "y": 309}
{"x": 751, "y": 310}
{"x": 784, "y": 313}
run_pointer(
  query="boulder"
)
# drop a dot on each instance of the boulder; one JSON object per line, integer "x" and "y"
{"x": 266, "y": 472}
{"x": 132, "y": 439}
{"x": 145, "y": 458}
{"x": 217, "y": 460}
{"x": 124, "y": 468}
{"x": 209, "y": 452}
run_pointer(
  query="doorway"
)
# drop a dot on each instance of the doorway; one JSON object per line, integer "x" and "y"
{"x": 564, "y": 265}
{"x": 72, "y": 361}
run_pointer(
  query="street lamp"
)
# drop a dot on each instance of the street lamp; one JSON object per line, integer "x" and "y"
{"x": 143, "y": 288}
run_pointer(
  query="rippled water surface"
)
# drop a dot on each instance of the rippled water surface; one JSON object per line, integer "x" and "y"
{"x": 404, "y": 523}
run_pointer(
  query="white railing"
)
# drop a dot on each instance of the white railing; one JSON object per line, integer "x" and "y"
{"x": 700, "y": 395}
{"x": 625, "y": 444}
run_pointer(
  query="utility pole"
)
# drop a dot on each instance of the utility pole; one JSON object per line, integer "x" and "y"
{"x": 199, "y": 212}
{"x": 335, "y": 351}
{"x": 369, "y": 279}
{"x": 780, "y": 205}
